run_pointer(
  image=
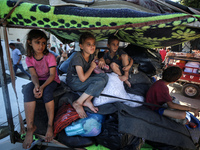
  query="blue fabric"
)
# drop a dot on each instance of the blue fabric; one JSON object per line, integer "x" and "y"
{"x": 160, "y": 111}
{"x": 47, "y": 92}
{"x": 93, "y": 86}
{"x": 99, "y": 12}
{"x": 15, "y": 67}
{"x": 64, "y": 66}
{"x": 55, "y": 54}
{"x": 16, "y": 54}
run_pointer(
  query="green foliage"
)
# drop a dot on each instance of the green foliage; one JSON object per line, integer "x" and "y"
{"x": 191, "y": 3}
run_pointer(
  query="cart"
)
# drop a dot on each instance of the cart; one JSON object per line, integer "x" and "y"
{"x": 190, "y": 79}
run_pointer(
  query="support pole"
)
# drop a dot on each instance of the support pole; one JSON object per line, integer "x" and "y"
{"x": 5, "y": 90}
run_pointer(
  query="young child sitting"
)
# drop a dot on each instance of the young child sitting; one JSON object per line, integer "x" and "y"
{"x": 159, "y": 94}
{"x": 80, "y": 77}
{"x": 119, "y": 61}
{"x": 42, "y": 67}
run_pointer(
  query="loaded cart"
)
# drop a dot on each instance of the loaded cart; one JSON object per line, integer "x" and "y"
{"x": 190, "y": 64}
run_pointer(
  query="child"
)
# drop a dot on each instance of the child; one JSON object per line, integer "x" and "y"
{"x": 118, "y": 60}
{"x": 80, "y": 77}
{"x": 42, "y": 67}
{"x": 159, "y": 94}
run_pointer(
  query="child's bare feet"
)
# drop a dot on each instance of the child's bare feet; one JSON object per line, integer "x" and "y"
{"x": 90, "y": 105}
{"x": 79, "y": 109}
{"x": 123, "y": 78}
{"x": 29, "y": 137}
{"x": 49, "y": 134}
{"x": 128, "y": 83}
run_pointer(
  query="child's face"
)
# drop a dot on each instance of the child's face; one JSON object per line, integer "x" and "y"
{"x": 88, "y": 46}
{"x": 113, "y": 46}
{"x": 38, "y": 45}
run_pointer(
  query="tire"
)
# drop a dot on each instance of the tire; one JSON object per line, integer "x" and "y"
{"x": 191, "y": 90}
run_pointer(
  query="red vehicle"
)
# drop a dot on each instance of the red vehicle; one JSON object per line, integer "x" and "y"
{"x": 190, "y": 64}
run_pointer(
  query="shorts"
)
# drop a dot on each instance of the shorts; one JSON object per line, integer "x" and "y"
{"x": 160, "y": 111}
{"x": 47, "y": 92}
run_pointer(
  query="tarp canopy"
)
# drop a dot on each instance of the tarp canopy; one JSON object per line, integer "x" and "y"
{"x": 147, "y": 30}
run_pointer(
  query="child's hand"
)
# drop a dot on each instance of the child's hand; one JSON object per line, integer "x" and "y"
{"x": 101, "y": 63}
{"x": 108, "y": 61}
{"x": 126, "y": 68}
{"x": 37, "y": 92}
{"x": 93, "y": 64}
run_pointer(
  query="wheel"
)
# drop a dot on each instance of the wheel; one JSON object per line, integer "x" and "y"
{"x": 191, "y": 90}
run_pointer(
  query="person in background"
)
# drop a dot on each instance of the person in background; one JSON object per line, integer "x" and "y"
{"x": 16, "y": 58}
{"x": 158, "y": 94}
{"x": 163, "y": 53}
{"x": 52, "y": 50}
{"x": 60, "y": 49}
{"x": 80, "y": 77}
{"x": 18, "y": 40}
{"x": 42, "y": 66}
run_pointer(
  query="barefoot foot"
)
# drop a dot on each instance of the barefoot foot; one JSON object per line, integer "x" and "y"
{"x": 29, "y": 137}
{"x": 128, "y": 83}
{"x": 90, "y": 105}
{"x": 49, "y": 134}
{"x": 79, "y": 109}
{"x": 123, "y": 78}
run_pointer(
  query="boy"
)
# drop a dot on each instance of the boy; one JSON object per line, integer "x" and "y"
{"x": 159, "y": 94}
{"x": 118, "y": 60}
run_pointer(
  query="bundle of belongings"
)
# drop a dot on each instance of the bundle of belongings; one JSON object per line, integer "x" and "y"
{"x": 123, "y": 121}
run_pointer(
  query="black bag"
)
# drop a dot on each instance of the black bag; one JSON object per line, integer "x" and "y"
{"x": 74, "y": 141}
{"x": 112, "y": 139}
{"x": 150, "y": 61}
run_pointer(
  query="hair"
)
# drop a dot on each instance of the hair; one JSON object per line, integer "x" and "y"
{"x": 12, "y": 44}
{"x": 85, "y": 36}
{"x": 112, "y": 38}
{"x": 172, "y": 74}
{"x": 35, "y": 34}
{"x": 53, "y": 48}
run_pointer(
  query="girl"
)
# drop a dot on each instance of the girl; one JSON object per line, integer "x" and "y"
{"x": 80, "y": 77}
{"x": 42, "y": 67}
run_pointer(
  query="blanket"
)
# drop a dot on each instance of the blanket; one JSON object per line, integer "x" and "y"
{"x": 67, "y": 23}
{"x": 115, "y": 87}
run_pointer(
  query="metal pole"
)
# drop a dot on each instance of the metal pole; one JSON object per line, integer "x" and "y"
{"x": 5, "y": 91}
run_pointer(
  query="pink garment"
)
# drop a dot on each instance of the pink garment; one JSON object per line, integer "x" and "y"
{"x": 163, "y": 54}
{"x": 42, "y": 66}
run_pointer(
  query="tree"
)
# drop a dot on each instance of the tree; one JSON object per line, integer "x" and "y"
{"x": 191, "y": 3}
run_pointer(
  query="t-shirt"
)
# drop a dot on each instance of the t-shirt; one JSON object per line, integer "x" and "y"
{"x": 42, "y": 66}
{"x": 117, "y": 58}
{"x": 163, "y": 54}
{"x": 78, "y": 60}
{"x": 16, "y": 55}
{"x": 158, "y": 94}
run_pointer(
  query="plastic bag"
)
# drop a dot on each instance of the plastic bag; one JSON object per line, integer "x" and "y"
{"x": 88, "y": 127}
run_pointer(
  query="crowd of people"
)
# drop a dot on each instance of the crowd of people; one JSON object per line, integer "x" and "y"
{"x": 42, "y": 62}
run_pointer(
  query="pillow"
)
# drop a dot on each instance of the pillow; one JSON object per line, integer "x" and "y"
{"x": 114, "y": 87}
